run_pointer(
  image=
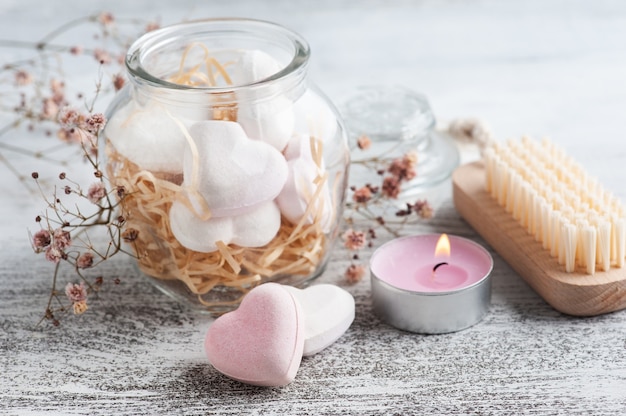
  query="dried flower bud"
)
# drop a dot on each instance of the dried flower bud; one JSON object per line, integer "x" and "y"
{"x": 362, "y": 195}
{"x": 35, "y": 175}
{"x": 95, "y": 122}
{"x": 76, "y": 50}
{"x": 423, "y": 209}
{"x": 354, "y": 273}
{"x": 23, "y": 78}
{"x": 102, "y": 56}
{"x": 62, "y": 175}
{"x": 41, "y": 239}
{"x": 402, "y": 213}
{"x": 354, "y": 240}
{"x": 403, "y": 168}
{"x": 130, "y": 235}
{"x": 76, "y": 292}
{"x": 364, "y": 142}
{"x": 38, "y": 218}
{"x": 85, "y": 261}
{"x": 373, "y": 189}
{"x": 391, "y": 187}
{"x": 80, "y": 307}
{"x": 69, "y": 117}
{"x": 118, "y": 82}
{"x": 98, "y": 174}
{"x": 117, "y": 280}
{"x": 53, "y": 254}
{"x": 50, "y": 109}
{"x": 121, "y": 192}
{"x": 58, "y": 88}
{"x": 471, "y": 129}
{"x": 67, "y": 190}
{"x": 96, "y": 192}
{"x": 152, "y": 26}
{"x": 62, "y": 239}
{"x": 121, "y": 219}
{"x": 106, "y": 18}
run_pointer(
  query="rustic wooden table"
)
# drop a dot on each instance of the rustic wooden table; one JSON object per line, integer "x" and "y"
{"x": 541, "y": 68}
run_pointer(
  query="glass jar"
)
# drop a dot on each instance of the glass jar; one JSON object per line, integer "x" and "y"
{"x": 234, "y": 166}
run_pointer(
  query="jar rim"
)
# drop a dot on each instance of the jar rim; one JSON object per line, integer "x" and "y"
{"x": 147, "y": 43}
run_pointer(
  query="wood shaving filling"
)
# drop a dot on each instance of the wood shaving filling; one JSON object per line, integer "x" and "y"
{"x": 297, "y": 249}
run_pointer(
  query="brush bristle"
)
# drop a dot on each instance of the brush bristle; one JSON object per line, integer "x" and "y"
{"x": 557, "y": 202}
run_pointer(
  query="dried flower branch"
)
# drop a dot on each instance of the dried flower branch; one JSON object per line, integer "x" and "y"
{"x": 37, "y": 94}
{"x": 36, "y": 89}
{"x": 64, "y": 236}
{"x": 371, "y": 202}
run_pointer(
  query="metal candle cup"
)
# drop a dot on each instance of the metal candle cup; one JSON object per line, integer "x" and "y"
{"x": 418, "y": 290}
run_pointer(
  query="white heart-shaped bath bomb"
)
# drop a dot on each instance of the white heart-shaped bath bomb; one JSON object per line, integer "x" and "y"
{"x": 314, "y": 117}
{"x": 299, "y": 146}
{"x": 252, "y": 229}
{"x": 271, "y": 121}
{"x": 235, "y": 173}
{"x": 328, "y": 313}
{"x": 301, "y": 186}
{"x": 252, "y": 66}
{"x": 148, "y": 137}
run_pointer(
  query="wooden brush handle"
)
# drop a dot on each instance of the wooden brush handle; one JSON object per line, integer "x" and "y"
{"x": 571, "y": 293}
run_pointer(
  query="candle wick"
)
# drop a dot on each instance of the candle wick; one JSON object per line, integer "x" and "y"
{"x": 438, "y": 265}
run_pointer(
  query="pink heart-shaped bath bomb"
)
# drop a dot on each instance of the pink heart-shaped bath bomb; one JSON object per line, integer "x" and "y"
{"x": 235, "y": 173}
{"x": 261, "y": 342}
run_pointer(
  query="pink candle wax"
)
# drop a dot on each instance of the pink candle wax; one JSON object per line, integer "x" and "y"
{"x": 408, "y": 263}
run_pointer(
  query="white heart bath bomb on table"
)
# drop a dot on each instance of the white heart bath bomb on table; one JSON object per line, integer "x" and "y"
{"x": 148, "y": 137}
{"x": 260, "y": 342}
{"x": 235, "y": 173}
{"x": 255, "y": 228}
{"x": 328, "y": 313}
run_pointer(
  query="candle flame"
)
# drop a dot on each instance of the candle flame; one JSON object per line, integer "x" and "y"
{"x": 443, "y": 246}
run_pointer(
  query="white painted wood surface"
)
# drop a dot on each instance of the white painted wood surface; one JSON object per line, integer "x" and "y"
{"x": 554, "y": 68}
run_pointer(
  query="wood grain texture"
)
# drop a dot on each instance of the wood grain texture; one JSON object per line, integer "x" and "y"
{"x": 137, "y": 352}
{"x": 575, "y": 293}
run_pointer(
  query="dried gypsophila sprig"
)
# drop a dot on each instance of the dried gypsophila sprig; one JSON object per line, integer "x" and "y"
{"x": 395, "y": 172}
{"x": 64, "y": 235}
{"x": 470, "y": 130}
{"x": 37, "y": 86}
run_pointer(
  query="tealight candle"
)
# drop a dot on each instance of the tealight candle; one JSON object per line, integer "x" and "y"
{"x": 430, "y": 283}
